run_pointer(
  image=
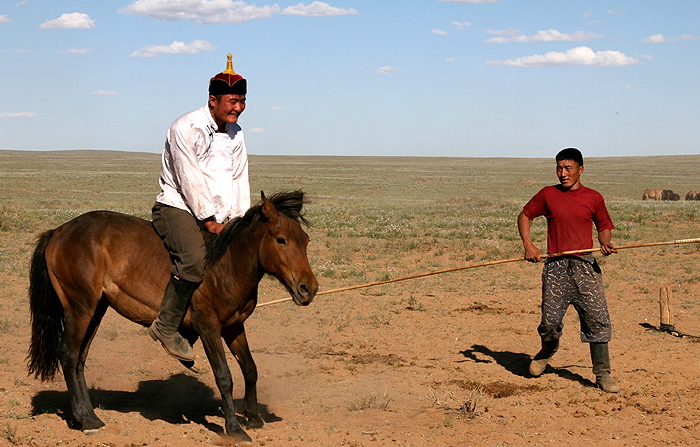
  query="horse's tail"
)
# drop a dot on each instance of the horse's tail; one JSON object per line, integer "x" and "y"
{"x": 46, "y": 314}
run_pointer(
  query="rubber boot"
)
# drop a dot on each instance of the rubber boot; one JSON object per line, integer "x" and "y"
{"x": 176, "y": 299}
{"x": 541, "y": 359}
{"x": 601, "y": 368}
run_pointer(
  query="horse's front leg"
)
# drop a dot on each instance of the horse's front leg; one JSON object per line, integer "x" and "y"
{"x": 214, "y": 348}
{"x": 238, "y": 344}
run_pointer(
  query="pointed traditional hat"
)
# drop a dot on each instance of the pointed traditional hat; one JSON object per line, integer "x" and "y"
{"x": 228, "y": 82}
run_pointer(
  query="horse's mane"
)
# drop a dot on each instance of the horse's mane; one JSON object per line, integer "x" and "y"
{"x": 289, "y": 203}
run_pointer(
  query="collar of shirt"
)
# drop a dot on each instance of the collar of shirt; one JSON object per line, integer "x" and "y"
{"x": 212, "y": 128}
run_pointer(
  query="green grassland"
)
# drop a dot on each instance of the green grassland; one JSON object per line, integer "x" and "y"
{"x": 407, "y": 200}
{"x": 363, "y": 209}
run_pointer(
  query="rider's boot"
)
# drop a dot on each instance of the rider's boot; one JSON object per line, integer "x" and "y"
{"x": 176, "y": 299}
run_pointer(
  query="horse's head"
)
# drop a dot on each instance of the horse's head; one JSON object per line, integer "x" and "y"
{"x": 283, "y": 246}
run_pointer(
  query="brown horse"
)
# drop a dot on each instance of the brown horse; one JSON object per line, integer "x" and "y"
{"x": 652, "y": 194}
{"x": 103, "y": 259}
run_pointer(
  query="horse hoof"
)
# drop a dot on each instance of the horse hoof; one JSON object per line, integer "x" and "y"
{"x": 92, "y": 431}
{"x": 91, "y": 426}
{"x": 254, "y": 422}
{"x": 238, "y": 438}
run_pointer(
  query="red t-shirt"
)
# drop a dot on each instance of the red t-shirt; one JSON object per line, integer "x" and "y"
{"x": 570, "y": 216}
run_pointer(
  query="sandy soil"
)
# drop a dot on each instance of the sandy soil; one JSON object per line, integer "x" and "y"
{"x": 439, "y": 361}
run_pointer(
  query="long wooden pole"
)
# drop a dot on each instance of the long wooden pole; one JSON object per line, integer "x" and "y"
{"x": 483, "y": 264}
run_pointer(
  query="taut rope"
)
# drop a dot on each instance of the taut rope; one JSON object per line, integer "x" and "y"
{"x": 484, "y": 264}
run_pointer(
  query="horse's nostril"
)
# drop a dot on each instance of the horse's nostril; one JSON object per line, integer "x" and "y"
{"x": 304, "y": 289}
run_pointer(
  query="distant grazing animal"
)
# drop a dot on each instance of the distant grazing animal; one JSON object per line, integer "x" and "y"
{"x": 692, "y": 195}
{"x": 670, "y": 195}
{"x": 652, "y": 194}
{"x": 103, "y": 259}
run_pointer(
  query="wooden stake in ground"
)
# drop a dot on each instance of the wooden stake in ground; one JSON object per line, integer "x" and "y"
{"x": 665, "y": 295}
{"x": 665, "y": 309}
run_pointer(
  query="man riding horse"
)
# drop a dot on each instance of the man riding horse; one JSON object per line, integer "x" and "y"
{"x": 104, "y": 259}
{"x": 204, "y": 183}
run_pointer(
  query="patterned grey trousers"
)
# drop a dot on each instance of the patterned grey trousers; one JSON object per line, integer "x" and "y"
{"x": 578, "y": 282}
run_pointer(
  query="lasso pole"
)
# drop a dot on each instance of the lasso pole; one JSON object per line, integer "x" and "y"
{"x": 483, "y": 264}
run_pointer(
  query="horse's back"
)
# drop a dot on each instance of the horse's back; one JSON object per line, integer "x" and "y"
{"x": 103, "y": 252}
{"x": 91, "y": 233}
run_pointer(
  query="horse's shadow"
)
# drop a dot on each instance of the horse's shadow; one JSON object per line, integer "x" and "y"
{"x": 517, "y": 363}
{"x": 177, "y": 400}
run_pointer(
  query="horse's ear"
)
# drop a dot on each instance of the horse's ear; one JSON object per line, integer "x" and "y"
{"x": 268, "y": 209}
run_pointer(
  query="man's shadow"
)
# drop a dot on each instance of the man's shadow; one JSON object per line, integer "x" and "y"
{"x": 177, "y": 400}
{"x": 517, "y": 363}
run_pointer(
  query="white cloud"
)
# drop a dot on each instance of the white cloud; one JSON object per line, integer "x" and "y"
{"x": 76, "y": 51}
{"x": 657, "y": 38}
{"x": 104, "y": 93}
{"x": 439, "y": 32}
{"x": 276, "y": 108}
{"x": 174, "y": 48}
{"x": 387, "y": 69}
{"x": 660, "y": 38}
{"x": 225, "y": 11}
{"x": 460, "y": 25}
{"x": 256, "y": 130}
{"x": 470, "y": 1}
{"x": 201, "y": 11}
{"x": 574, "y": 56}
{"x": 317, "y": 9}
{"x": 550, "y": 35}
{"x": 17, "y": 115}
{"x": 72, "y": 20}
{"x": 4, "y": 18}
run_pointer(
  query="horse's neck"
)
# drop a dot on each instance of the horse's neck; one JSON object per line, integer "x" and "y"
{"x": 242, "y": 259}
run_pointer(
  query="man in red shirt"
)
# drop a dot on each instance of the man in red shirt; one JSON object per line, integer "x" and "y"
{"x": 571, "y": 210}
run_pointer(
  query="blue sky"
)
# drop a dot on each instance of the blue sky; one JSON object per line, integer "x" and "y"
{"x": 465, "y": 78}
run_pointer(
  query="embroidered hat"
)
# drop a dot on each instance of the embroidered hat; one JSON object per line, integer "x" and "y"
{"x": 228, "y": 82}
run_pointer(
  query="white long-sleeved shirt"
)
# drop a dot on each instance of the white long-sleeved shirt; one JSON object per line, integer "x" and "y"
{"x": 203, "y": 171}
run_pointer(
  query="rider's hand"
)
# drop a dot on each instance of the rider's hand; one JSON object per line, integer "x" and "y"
{"x": 214, "y": 227}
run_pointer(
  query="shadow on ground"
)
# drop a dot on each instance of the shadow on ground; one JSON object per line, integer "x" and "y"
{"x": 517, "y": 363}
{"x": 177, "y": 400}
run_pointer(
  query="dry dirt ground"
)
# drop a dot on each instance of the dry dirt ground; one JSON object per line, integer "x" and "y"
{"x": 437, "y": 361}
{"x": 376, "y": 367}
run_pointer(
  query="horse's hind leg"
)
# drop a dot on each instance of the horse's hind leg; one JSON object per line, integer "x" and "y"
{"x": 238, "y": 344}
{"x": 79, "y": 332}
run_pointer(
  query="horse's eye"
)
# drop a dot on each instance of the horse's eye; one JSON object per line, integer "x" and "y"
{"x": 281, "y": 240}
